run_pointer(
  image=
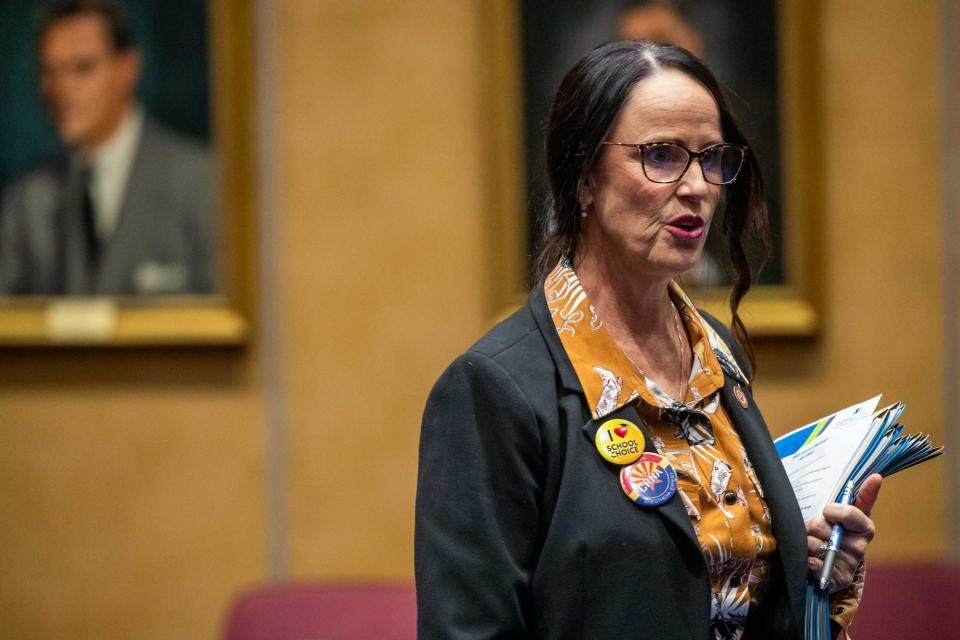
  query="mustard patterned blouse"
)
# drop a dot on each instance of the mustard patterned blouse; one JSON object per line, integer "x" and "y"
{"x": 715, "y": 479}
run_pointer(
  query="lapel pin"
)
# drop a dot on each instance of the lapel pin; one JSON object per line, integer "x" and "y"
{"x": 619, "y": 441}
{"x": 741, "y": 396}
{"x": 650, "y": 481}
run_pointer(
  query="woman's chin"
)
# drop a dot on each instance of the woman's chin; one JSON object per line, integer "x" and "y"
{"x": 676, "y": 265}
{"x": 667, "y": 263}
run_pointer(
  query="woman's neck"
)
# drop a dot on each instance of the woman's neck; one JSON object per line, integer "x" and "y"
{"x": 638, "y": 314}
{"x": 623, "y": 294}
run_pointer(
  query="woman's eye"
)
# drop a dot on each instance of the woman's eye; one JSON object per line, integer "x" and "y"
{"x": 658, "y": 155}
{"x": 711, "y": 157}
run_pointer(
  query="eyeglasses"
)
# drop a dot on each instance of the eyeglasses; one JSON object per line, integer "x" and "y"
{"x": 667, "y": 161}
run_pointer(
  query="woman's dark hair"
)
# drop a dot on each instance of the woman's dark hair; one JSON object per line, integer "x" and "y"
{"x": 586, "y": 105}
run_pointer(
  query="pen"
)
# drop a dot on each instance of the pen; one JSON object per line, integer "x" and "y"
{"x": 833, "y": 544}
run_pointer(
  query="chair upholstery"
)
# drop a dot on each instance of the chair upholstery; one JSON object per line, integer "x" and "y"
{"x": 324, "y": 612}
{"x": 899, "y": 601}
{"x": 909, "y": 601}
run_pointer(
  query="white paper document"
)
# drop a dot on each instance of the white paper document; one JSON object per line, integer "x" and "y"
{"x": 845, "y": 447}
{"x": 820, "y": 456}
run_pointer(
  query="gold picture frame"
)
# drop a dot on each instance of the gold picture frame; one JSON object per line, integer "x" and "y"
{"x": 791, "y": 309}
{"x": 215, "y": 320}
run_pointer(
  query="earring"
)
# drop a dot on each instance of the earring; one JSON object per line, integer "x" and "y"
{"x": 583, "y": 212}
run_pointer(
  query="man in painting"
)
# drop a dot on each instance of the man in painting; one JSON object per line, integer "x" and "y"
{"x": 127, "y": 208}
{"x": 659, "y": 21}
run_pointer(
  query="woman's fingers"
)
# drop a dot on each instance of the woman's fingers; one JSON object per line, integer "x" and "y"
{"x": 853, "y": 545}
{"x": 813, "y": 545}
{"x": 869, "y": 491}
{"x": 851, "y": 518}
{"x": 858, "y": 531}
{"x": 841, "y": 576}
{"x": 819, "y": 528}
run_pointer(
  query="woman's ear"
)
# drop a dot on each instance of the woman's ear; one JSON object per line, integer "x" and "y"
{"x": 585, "y": 193}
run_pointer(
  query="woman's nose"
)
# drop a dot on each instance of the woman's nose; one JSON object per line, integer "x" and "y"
{"x": 692, "y": 182}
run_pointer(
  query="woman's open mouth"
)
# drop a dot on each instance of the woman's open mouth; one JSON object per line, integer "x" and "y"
{"x": 688, "y": 226}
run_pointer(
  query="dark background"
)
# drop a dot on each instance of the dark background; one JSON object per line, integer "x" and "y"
{"x": 174, "y": 84}
{"x": 740, "y": 46}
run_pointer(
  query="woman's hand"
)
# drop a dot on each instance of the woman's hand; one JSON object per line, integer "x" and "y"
{"x": 858, "y": 531}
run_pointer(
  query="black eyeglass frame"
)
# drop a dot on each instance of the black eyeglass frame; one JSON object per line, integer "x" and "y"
{"x": 691, "y": 155}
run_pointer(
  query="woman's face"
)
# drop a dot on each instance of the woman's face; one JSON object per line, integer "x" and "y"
{"x": 659, "y": 228}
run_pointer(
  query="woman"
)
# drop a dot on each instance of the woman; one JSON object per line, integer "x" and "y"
{"x": 595, "y": 466}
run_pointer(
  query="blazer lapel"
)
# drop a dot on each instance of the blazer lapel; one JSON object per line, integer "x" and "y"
{"x": 541, "y": 314}
{"x": 788, "y": 526}
{"x": 672, "y": 511}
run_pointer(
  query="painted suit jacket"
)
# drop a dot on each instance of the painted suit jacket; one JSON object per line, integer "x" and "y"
{"x": 164, "y": 242}
{"x": 522, "y": 530}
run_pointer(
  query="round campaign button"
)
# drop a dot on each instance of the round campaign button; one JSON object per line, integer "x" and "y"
{"x": 619, "y": 441}
{"x": 650, "y": 481}
{"x": 741, "y": 396}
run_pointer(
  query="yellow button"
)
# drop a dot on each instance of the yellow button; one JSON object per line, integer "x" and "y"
{"x": 620, "y": 441}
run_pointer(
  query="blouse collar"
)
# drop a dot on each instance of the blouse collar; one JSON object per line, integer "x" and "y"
{"x": 608, "y": 378}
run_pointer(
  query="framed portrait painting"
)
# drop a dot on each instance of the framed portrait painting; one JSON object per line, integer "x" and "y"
{"x": 122, "y": 172}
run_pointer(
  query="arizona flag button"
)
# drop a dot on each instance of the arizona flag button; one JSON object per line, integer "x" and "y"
{"x": 650, "y": 481}
{"x": 619, "y": 441}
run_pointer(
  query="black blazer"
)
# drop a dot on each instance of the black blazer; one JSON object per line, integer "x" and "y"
{"x": 522, "y": 530}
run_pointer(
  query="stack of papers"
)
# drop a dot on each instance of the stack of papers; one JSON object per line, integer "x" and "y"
{"x": 847, "y": 446}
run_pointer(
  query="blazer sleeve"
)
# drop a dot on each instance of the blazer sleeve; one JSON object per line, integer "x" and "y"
{"x": 478, "y": 491}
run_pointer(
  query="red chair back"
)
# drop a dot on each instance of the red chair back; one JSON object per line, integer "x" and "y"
{"x": 909, "y": 601}
{"x": 324, "y": 612}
